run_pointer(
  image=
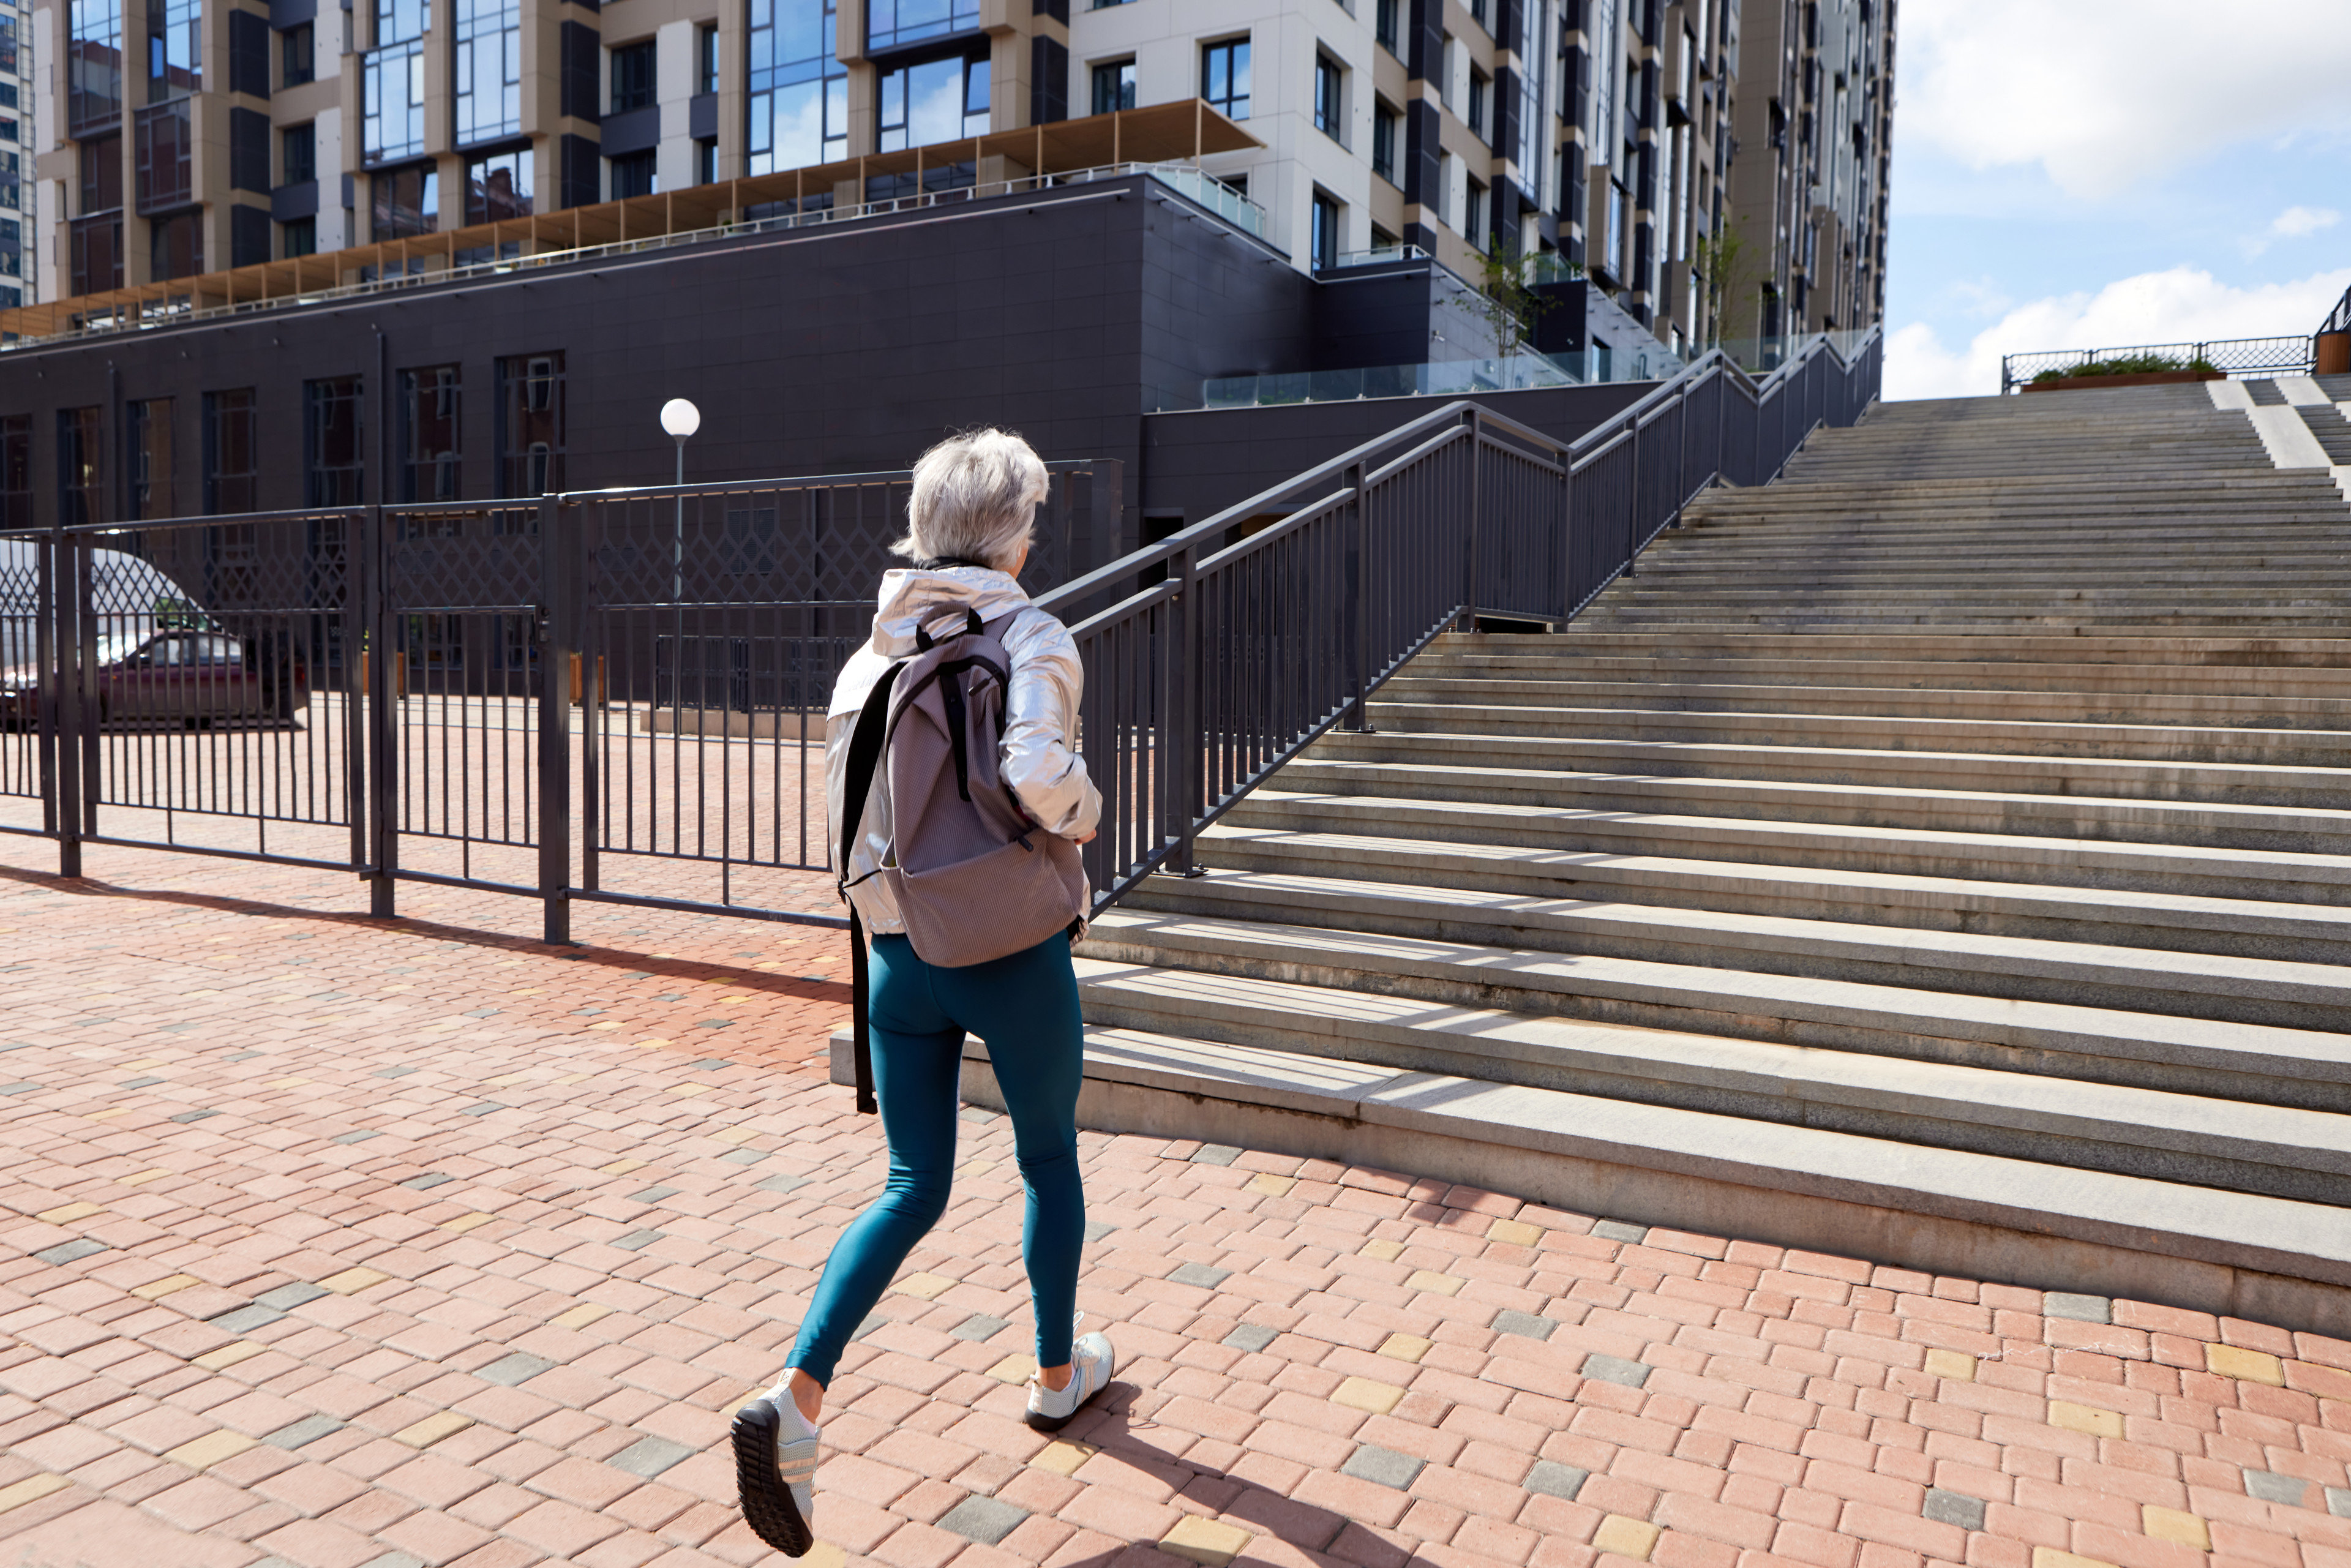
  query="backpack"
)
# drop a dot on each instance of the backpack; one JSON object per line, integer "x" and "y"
{"x": 975, "y": 878}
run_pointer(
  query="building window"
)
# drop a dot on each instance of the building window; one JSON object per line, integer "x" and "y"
{"x": 147, "y": 448}
{"x": 231, "y": 452}
{"x": 1386, "y": 26}
{"x": 93, "y": 66}
{"x": 296, "y": 60}
{"x": 1474, "y": 217}
{"x": 632, "y": 77}
{"x": 177, "y": 246}
{"x": 1322, "y": 245}
{"x": 705, "y": 161}
{"x": 1478, "y": 12}
{"x": 497, "y": 186}
{"x": 97, "y": 244}
{"x": 1381, "y": 240}
{"x": 938, "y": 100}
{"x": 392, "y": 96}
{"x": 102, "y": 175}
{"x": 1383, "y": 141}
{"x": 16, "y": 471}
{"x": 706, "y": 59}
{"x": 12, "y": 189}
{"x": 174, "y": 48}
{"x": 8, "y": 45}
{"x": 334, "y": 455}
{"x": 1225, "y": 77}
{"x": 298, "y": 154}
{"x": 1114, "y": 87}
{"x": 798, "y": 93}
{"x": 633, "y": 175}
{"x": 299, "y": 238}
{"x": 428, "y": 434}
{"x": 1330, "y": 110}
{"x": 166, "y": 139}
{"x": 890, "y": 23}
{"x": 530, "y": 424}
{"x": 81, "y": 482}
{"x": 404, "y": 202}
{"x": 12, "y": 248}
{"x": 488, "y": 87}
{"x": 1481, "y": 91}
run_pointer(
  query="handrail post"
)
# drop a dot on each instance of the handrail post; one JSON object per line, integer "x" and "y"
{"x": 1355, "y": 625}
{"x": 1633, "y": 497}
{"x": 1181, "y": 739}
{"x": 382, "y": 723}
{"x": 77, "y": 718}
{"x": 1476, "y": 465}
{"x": 62, "y": 667}
{"x": 556, "y": 640}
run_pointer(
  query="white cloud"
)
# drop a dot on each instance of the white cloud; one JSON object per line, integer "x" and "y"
{"x": 2104, "y": 92}
{"x": 2295, "y": 222}
{"x": 2182, "y": 304}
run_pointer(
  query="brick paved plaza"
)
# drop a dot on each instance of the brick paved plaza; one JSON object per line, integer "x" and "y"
{"x": 331, "y": 1243}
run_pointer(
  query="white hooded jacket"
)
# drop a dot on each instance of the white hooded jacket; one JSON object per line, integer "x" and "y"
{"x": 1039, "y": 758}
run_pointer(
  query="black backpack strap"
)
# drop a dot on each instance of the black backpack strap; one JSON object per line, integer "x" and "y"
{"x": 864, "y": 757}
{"x": 861, "y": 1038}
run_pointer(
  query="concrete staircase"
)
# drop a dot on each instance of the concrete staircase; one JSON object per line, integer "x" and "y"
{"x": 1942, "y": 854}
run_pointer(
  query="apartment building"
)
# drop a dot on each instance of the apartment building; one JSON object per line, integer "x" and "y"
{"x": 1809, "y": 188}
{"x": 19, "y": 253}
{"x": 1612, "y": 135}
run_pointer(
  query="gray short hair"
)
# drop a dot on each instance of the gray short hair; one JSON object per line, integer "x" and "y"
{"x": 976, "y": 497}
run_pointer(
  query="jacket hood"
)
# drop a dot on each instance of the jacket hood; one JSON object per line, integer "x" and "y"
{"x": 919, "y": 596}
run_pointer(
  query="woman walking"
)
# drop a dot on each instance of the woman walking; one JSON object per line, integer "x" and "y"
{"x": 969, "y": 527}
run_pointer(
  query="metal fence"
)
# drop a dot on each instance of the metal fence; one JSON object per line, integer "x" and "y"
{"x": 620, "y": 696}
{"x": 2234, "y": 355}
{"x": 1257, "y": 637}
{"x": 617, "y": 695}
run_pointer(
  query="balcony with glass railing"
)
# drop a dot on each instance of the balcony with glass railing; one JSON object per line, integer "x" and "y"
{"x": 1444, "y": 378}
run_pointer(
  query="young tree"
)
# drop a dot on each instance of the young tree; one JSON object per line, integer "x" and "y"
{"x": 1508, "y": 302}
{"x": 1730, "y": 281}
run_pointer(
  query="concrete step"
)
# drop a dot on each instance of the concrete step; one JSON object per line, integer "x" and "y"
{"x": 2264, "y": 1258}
{"x": 1988, "y": 620}
{"x": 2254, "y": 1064}
{"x": 1736, "y": 722}
{"x": 2218, "y": 690}
{"x": 2158, "y": 646}
{"x": 2280, "y": 1151}
{"x": 1920, "y": 768}
{"x": 1756, "y": 845}
{"x": 2282, "y": 993}
{"x": 2307, "y": 931}
{"x": 1895, "y": 806}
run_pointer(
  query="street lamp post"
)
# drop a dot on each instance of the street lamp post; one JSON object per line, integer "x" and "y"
{"x": 681, "y": 419}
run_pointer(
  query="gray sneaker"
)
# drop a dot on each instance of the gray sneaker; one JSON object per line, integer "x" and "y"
{"x": 775, "y": 1477}
{"x": 1091, "y": 1361}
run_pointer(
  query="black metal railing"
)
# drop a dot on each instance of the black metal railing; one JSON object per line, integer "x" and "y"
{"x": 1258, "y": 636}
{"x": 620, "y": 696}
{"x": 2233, "y": 357}
{"x": 2338, "y": 319}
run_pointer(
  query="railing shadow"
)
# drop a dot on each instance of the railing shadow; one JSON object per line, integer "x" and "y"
{"x": 1114, "y": 1429}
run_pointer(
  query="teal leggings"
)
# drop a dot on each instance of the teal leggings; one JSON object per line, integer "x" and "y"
{"x": 1026, "y": 1008}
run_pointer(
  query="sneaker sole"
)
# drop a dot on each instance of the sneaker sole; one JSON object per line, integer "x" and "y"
{"x": 1038, "y": 1421}
{"x": 768, "y": 1505}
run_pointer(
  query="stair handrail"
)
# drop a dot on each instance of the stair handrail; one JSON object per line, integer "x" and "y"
{"x": 1244, "y": 649}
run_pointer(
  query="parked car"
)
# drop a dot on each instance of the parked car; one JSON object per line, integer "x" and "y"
{"x": 180, "y": 676}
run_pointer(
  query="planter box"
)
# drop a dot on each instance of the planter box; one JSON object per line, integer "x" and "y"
{"x": 2140, "y": 379}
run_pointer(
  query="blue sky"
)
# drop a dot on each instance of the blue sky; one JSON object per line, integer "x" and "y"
{"x": 2080, "y": 173}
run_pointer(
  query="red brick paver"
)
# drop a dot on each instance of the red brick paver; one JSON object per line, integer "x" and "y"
{"x": 336, "y": 1243}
